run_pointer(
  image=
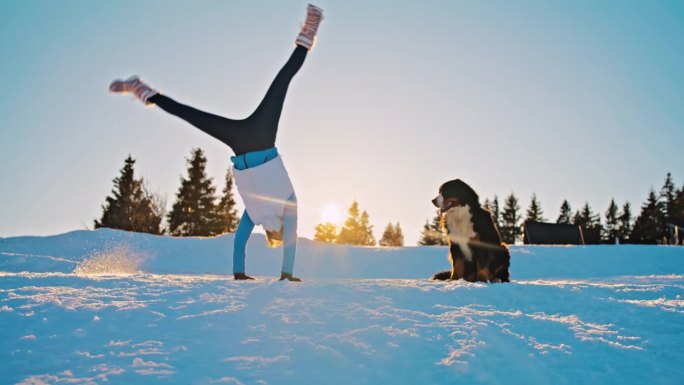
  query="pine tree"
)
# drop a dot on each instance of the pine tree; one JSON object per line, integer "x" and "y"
{"x": 647, "y": 227}
{"x": 678, "y": 208}
{"x": 194, "y": 212}
{"x": 565, "y": 216}
{"x": 433, "y": 234}
{"x": 534, "y": 212}
{"x": 438, "y": 230}
{"x": 577, "y": 219}
{"x": 496, "y": 211}
{"x": 611, "y": 230}
{"x": 130, "y": 207}
{"x": 427, "y": 236}
{"x": 349, "y": 232}
{"x": 625, "y": 223}
{"x": 225, "y": 210}
{"x": 392, "y": 236}
{"x": 326, "y": 232}
{"x": 398, "y": 236}
{"x": 668, "y": 197}
{"x": 487, "y": 205}
{"x": 357, "y": 229}
{"x": 387, "y": 236}
{"x": 510, "y": 220}
{"x": 591, "y": 225}
{"x": 678, "y": 214}
{"x": 368, "y": 238}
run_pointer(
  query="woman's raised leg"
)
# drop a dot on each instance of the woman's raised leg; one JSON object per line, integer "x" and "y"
{"x": 267, "y": 114}
{"x": 221, "y": 128}
{"x": 217, "y": 126}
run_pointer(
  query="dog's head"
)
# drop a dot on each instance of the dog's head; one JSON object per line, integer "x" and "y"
{"x": 455, "y": 201}
{"x": 455, "y": 193}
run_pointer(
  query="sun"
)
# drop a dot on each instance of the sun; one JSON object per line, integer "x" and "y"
{"x": 332, "y": 213}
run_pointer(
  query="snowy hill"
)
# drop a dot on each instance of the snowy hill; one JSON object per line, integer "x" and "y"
{"x": 109, "y": 306}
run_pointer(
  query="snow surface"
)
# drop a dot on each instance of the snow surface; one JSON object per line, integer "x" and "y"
{"x": 105, "y": 306}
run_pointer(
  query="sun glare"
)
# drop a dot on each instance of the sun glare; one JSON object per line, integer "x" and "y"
{"x": 332, "y": 213}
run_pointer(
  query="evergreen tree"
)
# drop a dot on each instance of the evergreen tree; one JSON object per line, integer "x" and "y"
{"x": 194, "y": 213}
{"x": 678, "y": 208}
{"x": 387, "y": 236}
{"x": 565, "y": 216}
{"x": 625, "y": 223}
{"x": 510, "y": 220}
{"x": 487, "y": 205}
{"x": 591, "y": 225}
{"x": 534, "y": 212}
{"x": 130, "y": 207}
{"x": 426, "y": 236}
{"x": 225, "y": 210}
{"x": 326, "y": 232}
{"x": 647, "y": 227}
{"x": 398, "y": 236}
{"x": 392, "y": 236}
{"x": 357, "y": 229}
{"x": 611, "y": 230}
{"x": 367, "y": 230}
{"x": 349, "y": 234}
{"x": 678, "y": 214}
{"x": 496, "y": 211}
{"x": 668, "y": 197}
{"x": 433, "y": 234}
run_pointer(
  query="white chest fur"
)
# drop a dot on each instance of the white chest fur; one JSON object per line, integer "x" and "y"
{"x": 459, "y": 223}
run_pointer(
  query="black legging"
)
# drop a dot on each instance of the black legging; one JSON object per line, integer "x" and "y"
{"x": 256, "y": 132}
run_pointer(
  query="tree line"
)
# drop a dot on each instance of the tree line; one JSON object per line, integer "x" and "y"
{"x": 196, "y": 211}
{"x": 199, "y": 211}
{"x": 357, "y": 230}
{"x": 658, "y": 213}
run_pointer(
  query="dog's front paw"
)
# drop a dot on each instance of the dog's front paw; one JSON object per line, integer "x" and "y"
{"x": 442, "y": 276}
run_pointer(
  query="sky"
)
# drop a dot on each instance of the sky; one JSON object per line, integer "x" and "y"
{"x": 576, "y": 100}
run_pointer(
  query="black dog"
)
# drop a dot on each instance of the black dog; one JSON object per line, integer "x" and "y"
{"x": 476, "y": 252}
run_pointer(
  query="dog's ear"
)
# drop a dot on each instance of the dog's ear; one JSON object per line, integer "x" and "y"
{"x": 466, "y": 194}
{"x": 461, "y": 190}
{"x": 449, "y": 189}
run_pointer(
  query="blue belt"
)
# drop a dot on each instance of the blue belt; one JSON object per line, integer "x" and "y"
{"x": 253, "y": 159}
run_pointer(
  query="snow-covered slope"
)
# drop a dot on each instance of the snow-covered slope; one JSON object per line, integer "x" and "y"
{"x": 166, "y": 311}
{"x": 113, "y": 251}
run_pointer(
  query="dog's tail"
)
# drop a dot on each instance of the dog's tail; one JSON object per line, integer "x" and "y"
{"x": 442, "y": 276}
